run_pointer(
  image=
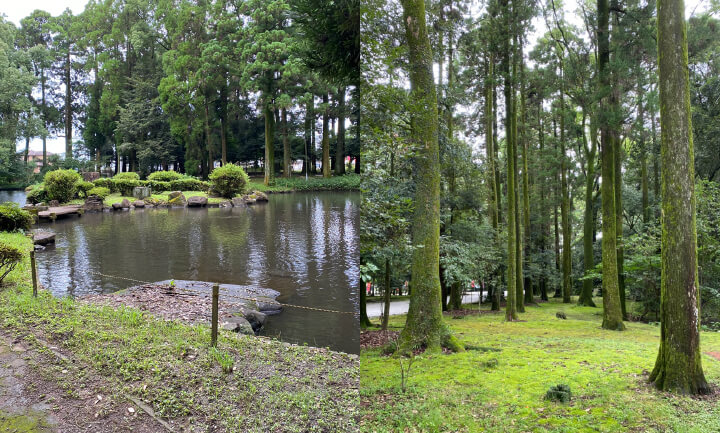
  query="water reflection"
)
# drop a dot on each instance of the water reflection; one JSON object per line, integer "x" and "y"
{"x": 304, "y": 245}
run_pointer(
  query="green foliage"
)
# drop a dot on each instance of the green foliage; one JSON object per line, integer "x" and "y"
{"x": 9, "y": 257}
{"x": 189, "y": 184}
{"x": 159, "y": 186}
{"x": 348, "y": 182}
{"x": 125, "y": 186}
{"x": 165, "y": 176}
{"x": 106, "y": 183}
{"x": 129, "y": 175}
{"x": 12, "y": 218}
{"x": 61, "y": 185}
{"x": 223, "y": 359}
{"x": 83, "y": 188}
{"x": 36, "y": 193}
{"x": 99, "y": 191}
{"x": 560, "y": 393}
{"x": 229, "y": 180}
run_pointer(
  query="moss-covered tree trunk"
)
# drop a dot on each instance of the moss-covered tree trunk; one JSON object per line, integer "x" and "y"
{"x": 364, "y": 319}
{"x": 617, "y": 170}
{"x": 340, "y": 150}
{"x": 565, "y": 200}
{"x": 269, "y": 164}
{"x": 511, "y": 303}
{"x": 678, "y": 367}
{"x": 612, "y": 313}
{"x": 588, "y": 223}
{"x": 519, "y": 295}
{"x": 544, "y": 227}
{"x": 326, "y": 137}
{"x": 287, "y": 166}
{"x": 424, "y": 326}
{"x": 386, "y": 298}
{"x": 493, "y": 192}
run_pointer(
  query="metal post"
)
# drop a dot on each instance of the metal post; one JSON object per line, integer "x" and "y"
{"x": 215, "y": 296}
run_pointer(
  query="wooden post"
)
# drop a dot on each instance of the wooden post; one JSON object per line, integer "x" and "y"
{"x": 34, "y": 272}
{"x": 215, "y": 296}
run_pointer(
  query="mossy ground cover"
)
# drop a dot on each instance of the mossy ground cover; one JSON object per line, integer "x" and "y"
{"x": 503, "y": 391}
{"x": 248, "y": 384}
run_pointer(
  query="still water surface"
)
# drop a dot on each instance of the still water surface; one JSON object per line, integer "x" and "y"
{"x": 304, "y": 245}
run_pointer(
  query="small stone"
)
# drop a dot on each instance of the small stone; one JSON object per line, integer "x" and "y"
{"x": 197, "y": 201}
{"x": 131, "y": 410}
{"x": 139, "y": 204}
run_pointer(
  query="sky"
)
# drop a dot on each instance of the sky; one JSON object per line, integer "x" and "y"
{"x": 14, "y": 11}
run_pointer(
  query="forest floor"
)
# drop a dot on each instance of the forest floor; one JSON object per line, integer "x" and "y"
{"x": 82, "y": 367}
{"x": 500, "y": 385}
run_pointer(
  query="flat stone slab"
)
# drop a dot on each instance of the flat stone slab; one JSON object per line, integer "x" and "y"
{"x": 60, "y": 211}
{"x": 43, "y": 237}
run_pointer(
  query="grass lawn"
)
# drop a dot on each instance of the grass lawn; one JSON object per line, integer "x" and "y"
{"x": 248, "y": 384}
{"x": 503, "y": 390}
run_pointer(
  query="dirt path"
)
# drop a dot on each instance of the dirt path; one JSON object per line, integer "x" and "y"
{"x": 40, "y": 392}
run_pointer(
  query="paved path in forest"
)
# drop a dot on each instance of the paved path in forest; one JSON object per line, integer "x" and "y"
{"x": 374, "y": 309}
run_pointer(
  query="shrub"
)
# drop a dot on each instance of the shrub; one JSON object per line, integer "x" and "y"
{"x": 36, "y": 193}
{"x": 229, "y": 180}
{"x": 159, "y": 186}
{"x": 189, "y": 184}
{"x": 9, "y": 258}
{"x": 165, "y": 176}
{"x": 125, "y": 186}
{"x": 128, "y": 175}
{"x": 60, "y": 185}
{"x": 83, "y": 188}
{"x": 13, "y": 218}
{"x": 559, "y": 393}
{"x": 99, "y": 191}
{"x": 106, "y": 183}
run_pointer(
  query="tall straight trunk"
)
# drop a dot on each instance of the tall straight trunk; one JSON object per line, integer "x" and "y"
{"x": 491, "y": 166}
{"x": 287, "y": 167}
{"x": 208, "y": 141}
{"x": 527, "y": 285}
{"x": 544, "y": 228}
{"x": 269, "y": 165}
{"x": 511, "y": 303}
{"x": 68, "y": 108}
{"x": 309, "y": 131}
{"x": 565, "y": 201}
{"x": 519, "y": 295}
{"x": 223, "y": 120}
{"x": 612, "y": 312}
{"x": 643, "y": 158}
{"x": 455, "y": 296}
{"x": 364, "y": 319}
{"x": 678, "y": 367}
{"x": 588, "y": 223}
{"x": 340, "y": 149}
{"x": 326, "y": 138}
{"x": 386, "y": 298}
{"x": 656, "y": 161}
{"x": 27, "y": 147}
{"x": 43, "y": 112}
{"x": 424, "y": 325}
{"x": 617, "y": 148}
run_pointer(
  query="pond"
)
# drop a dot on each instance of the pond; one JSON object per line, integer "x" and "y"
{"x": 18, "y": 196}
{"x": 304, "y": 245}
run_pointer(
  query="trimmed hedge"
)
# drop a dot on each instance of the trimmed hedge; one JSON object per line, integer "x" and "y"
{"x": 61, "y": 185}
{"x": 229, "y": 180}
{"x": 36, "y": 193}
{"x": 83, "y": 188}
{"x": 9, "y": 258}
{"x": 189, "y": 184}
{"x": 165, "y": 176}
{"x": 129, "y": 175}
{"x": 99, "y": 191}
{"x": 105, "y": 183}
{"x": 12, "y": 218}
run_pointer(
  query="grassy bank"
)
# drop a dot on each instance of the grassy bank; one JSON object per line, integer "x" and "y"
{"x": 247, "y": 384}
{"x": 348, "y": 182}
{"x": 500, "y": 387}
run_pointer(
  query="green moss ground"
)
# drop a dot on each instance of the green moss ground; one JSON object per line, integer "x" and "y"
{"x": 273, "y": 386}
{"x": 465, "y": 392}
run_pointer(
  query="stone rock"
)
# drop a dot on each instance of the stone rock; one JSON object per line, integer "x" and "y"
{"x": 125, "y": 204}
{"x": 54, "y": 203}
{"x": 197, "y": 201}
{"x": 237, "y": 202}
{"x": 93, "y": 203}
{"x": 176, "y": 198}
{"x": 141, "y": 192}
{"x": 91, "y": 176}
{"x": 267, "y": 305}
{"x": 42, "y": 207}
{"x": 139, "y": 204}
{"x": 117, "y": 206}
{"x": 260, "y": 196}
{"x": 256, "y": 319}
{"x": 28, "y": 207}
{"x": 43, "y": 237}
{"x": 238, "y": 324}
{"x": 226, "y": 203}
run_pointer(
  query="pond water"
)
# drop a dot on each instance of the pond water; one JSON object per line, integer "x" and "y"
{"x": 18, "y": 196}
{"x": 304, "y": 245}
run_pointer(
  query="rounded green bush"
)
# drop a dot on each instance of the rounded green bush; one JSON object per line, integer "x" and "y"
{"x": 128, "y": 175}
{"x": 165, "y": 176}
{"x": 189, "y": 184}
{"x": 106, "y": 183}
{"x": 9, "y": 258}
{"x": 125, "y": 186}
{"x": 12, "y": 218}
{"x": 83, "y": 188}
{"x": 99, "y": 191}
{"x": 60, "y": 185}
{"x": 36, "y": 193}
{"x": 159, "y": 186}
{"x": 229, "y": 180}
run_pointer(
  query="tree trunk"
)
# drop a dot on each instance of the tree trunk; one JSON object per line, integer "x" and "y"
{"x": 424, "y": 325}
{"x": 340, "y": 149}
{"x": 386, "y": 298}
{"x": 364, "y": 319}
{"x": 612, "y": 313}
{"x": 287, "y": 168}
{"x": 491, "y": 166}
{"x": 588, "y": 223}
{"x": 68, "y": 108}
{"x": 269, "y": 165}
{"x": 326, "y": 138}
{"x": 678, "y": 367}
{"x": 565, "y": 201}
